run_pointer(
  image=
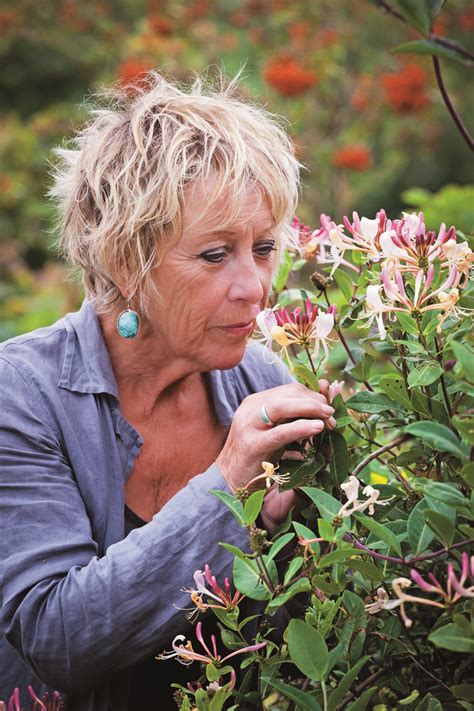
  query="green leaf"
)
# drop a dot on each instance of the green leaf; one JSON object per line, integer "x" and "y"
{"x": 326, "y": 504}
{"x": 337, "y": 556}
{"x": 279, "y": 544}
{"x": 339, "y": 463}
{"x": 344, "y": 282}
{"x": 362, "y": 703}
{"x": 293, "y": 568}
{"x": 465, "y": 359}
{"x": 307, "y": 533}
{"x": 307, "y": 649}
{"x": 336, "y": 696}
{"x": 467, "y": 473}
{"x": 434, "y": 48}
{"x": 465, "y": 692}
{"x": 429, "y": 703}
{"x": 420, "y": 534}
{"x": 393, "y": 386}
{"x": 283, "y": 272}
{"x": 452, "y": 637}
{"x": 300, "y": 471}
{"x": 301, "y": 698}
{"x": 416, "y": 13}
{"x": 300, "y": 586}
{"x": 407, "y": 323}
{"x": 232, "y": 503}
{"x": 307, "y": 377}
{"x": 440, "y": 525}
{"x": 361, "y": 370}
{"x": 247, "y": 578}
{"x": 368, "y": 402}
{"x": 437, "y": 436}
{"x": 253, "y": 506}
{"x": 326, "y": 531}
{"x": 465, "y": 426}
{"x": 366, "y": 568}
{"x": 381, "y": 532}
{"x": 424, "y": 375}
{"x": 234, "y": 550}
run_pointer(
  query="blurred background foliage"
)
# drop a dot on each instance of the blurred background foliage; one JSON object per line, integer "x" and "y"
{"x": 369, "y": 125}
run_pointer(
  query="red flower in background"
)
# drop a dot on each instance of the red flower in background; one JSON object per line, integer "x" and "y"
{"x": 355, "y": 157}
{"x": 466, "y": 20}
{"x": 133, "y": 70}
{"x": 160, "y": 25}
{"x": 287, "y": 76}
{"x": 405, "y": 90}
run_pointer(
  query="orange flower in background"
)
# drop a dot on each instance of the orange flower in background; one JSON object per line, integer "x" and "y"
{"x": 328, "y": 37}
{"x": 356, "y": 157}
{"x": 466, "y": 20}
{"x": 299, "y": 30}
{"x": 160, "y": 25}
{"x": 405, "y": 90}
{"x": 133, "y": 70}
{"x": 288, "y": 77}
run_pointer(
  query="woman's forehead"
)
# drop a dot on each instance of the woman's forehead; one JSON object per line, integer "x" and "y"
{"x": 207, "y": 211}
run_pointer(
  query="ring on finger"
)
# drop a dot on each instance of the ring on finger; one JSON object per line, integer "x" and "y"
{"x": 263, "y": 414}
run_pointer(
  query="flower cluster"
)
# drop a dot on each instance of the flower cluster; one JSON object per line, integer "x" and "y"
{"x": 45, "y": 704}
{"x": 306, "y": 327}
{"x": 405, "y": 90}
{"x": 288, "y": 77}
{"x": 184, "y": 652}
{"x": 221, "y": 599}
{"x": 455, "y": 590}
{"x": 354, "y": 504}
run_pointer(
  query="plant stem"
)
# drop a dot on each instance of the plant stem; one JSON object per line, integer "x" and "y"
{"x": 378, "y": 452}
{"x": 325, "y": 696}
{"x": 350, "y": 695}
{"x": 447, "y": 401}
{"x": 452, "y": 45}
{"x": 449, "y": 104}
{"x": 402, "y": 561}
{"x": 308, "y": 353}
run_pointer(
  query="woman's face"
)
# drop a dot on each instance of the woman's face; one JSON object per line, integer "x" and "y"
{"x": 213, "y": 282}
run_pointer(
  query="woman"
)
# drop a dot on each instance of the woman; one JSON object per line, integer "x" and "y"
{"x": 174, "y": 205}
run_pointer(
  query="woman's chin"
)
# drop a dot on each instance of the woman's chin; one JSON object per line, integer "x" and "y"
{"x": 227, "y": 358}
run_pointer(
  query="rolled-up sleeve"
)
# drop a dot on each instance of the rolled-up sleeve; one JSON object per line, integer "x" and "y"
{"x": 72, "y": 615}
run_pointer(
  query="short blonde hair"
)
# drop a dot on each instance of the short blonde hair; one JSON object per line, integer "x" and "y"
{"x": 120, "y": 188}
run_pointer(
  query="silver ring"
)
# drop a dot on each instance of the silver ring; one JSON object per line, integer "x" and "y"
{"x": 264, "y": 417}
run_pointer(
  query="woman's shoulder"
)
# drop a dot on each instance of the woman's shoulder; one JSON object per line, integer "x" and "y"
{"x": 41, "y": 350}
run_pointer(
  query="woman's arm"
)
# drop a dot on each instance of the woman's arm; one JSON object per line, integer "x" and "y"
{"x": 72, "y": 616}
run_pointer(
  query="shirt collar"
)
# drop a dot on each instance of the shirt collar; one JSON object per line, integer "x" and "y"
{"x": 86, "y": 366}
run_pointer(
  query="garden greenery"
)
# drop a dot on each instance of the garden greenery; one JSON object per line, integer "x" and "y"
{"x": 372, "y": 584}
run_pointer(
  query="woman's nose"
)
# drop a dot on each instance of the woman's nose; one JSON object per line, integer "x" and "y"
{"x": 247, "y": 284}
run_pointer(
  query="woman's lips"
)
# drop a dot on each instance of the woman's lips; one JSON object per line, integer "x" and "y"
{"x": 239, "y": 329}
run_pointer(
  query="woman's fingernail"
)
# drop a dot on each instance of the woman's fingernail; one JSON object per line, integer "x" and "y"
{"x": 327, "y": 409}
{"x": 318, "y": 426}
{"x": 332, "y": 422}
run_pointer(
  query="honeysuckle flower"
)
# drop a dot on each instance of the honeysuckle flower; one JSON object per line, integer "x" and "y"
{"x": 45, "y": 704}
{"x": 424, "y": 299}
{"x": 221, "y": 599}
{"x": 455, "y": 588}
{"x": 458, "y": 255}
{"x": 407, "y": 245}
{"x": 382, "y": 601}
{"x": 364, "y": 235}
{"x": 184, "y": 652}
{"x": 298, "y": 327}
{"x": 270, "y": 476}
{"x": 353, "y": 504}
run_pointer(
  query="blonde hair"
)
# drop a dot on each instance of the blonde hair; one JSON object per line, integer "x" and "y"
{"x": 120, "y": 189}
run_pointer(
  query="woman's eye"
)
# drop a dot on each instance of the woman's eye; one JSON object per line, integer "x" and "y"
{"x": 264, "y": 249}
{"x": 214, "y": 257}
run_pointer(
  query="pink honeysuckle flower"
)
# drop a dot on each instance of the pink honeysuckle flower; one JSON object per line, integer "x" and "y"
{"x": 381, "y": 602}
{"x": 455, "y": 588}
{"x": 221, "y": 599}
{"x": 365, "y": 234}
{"x": 408, "y": 247}
{"x": 325, "y": 245}
{"x": 45, "y": 704}
{"x": 424, "y": 299}
{"x": 185, "y": 653}
{"x": 353, "y": 504}
{"x": 305, "y": 328}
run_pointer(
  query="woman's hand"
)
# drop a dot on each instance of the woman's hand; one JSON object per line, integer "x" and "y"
{"x": 298, "y": 413}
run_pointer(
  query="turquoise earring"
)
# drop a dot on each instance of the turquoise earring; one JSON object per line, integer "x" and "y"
{"x": 128, "y": 323}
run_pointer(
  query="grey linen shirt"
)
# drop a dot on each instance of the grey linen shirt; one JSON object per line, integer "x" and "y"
{"x": 81, "y": 603}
